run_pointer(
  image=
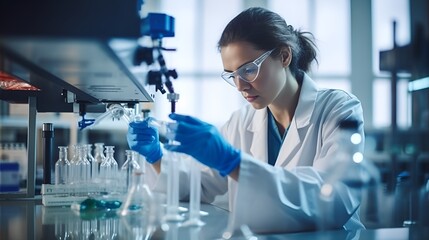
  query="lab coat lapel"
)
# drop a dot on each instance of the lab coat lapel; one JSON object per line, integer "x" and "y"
{"x": 258, "y": 127}
{"x": 300, "y": 121}
{"x": 289, "y": 147}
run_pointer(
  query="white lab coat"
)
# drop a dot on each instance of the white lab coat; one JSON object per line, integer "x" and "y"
{"x": 284, "y": 197}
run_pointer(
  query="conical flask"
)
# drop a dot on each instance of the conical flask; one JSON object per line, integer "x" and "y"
{"x": 139, "y": 197}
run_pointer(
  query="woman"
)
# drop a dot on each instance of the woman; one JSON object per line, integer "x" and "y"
{"x": 275, "y": 148}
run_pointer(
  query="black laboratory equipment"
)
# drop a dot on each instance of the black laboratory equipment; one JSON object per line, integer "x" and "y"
{"x": 48, "y": 151}
{"x": 158, "y": 26}
{"x": 406, "y": 179}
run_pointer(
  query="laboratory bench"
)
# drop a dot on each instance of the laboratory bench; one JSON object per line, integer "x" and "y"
{"x": 29, "y": 219}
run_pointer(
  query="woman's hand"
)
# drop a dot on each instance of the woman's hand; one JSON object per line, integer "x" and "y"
{"x": 144, "y": 139}
{"x": 204, "y": 142}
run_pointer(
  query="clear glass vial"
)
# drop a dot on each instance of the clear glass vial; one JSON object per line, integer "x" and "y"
{"x": 62, "y": 167}
{"x": 99, "y": 158}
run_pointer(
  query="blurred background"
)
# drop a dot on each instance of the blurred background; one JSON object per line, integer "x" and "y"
{"x": 350, "y": 35}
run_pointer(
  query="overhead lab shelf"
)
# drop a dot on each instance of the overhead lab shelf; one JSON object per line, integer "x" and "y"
{"x": 64, "y": 49}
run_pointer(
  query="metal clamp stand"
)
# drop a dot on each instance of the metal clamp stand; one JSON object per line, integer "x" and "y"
{"x": 158, "y": 26}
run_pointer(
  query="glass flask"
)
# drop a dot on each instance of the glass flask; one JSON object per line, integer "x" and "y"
{"x": 99, "y": 158}
{"x": 141, "y": 161}
{"x": 138, "y": 198}
{"x": 127, "y": 169}
{"x": 138, "y": 224}
{"x": 62, "y": 166}
{"x": 137, "y": 117}
{"x": 348, "y": 168}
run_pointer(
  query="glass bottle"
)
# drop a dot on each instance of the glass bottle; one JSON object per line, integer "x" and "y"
{"x": 109, "y": 168}
{"x": 73, "y": 167}
{"x": 83, "y": 167}
{"x": 62, "y": 167}
{"x": 91, "y": 160}
{"x": 99, "y": 158}
{"x": 130, "y": 165}
{"x": 87, "y": 162}
{"x": 111, "y": 159}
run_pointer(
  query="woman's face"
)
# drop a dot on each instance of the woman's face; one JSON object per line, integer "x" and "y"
{"x": 270, "y": 81}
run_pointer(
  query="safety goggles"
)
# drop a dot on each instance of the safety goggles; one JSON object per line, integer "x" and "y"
{"x": 248, "y": 72}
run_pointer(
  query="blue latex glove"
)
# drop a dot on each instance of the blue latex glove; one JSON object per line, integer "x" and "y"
{"x": 204, "y": 142}
{"x": 144, "y": 139}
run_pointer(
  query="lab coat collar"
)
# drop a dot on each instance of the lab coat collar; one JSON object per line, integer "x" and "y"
{"x": 259, "y": 146}
{"x": 260, "y": 117}
{"x": 301, "y": 119}
{"x": 303, "y": 113}
{"x": 306, "y": 102}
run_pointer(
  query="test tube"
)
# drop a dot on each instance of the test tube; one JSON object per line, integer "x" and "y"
{"x": 195, "y": 197}
{"x": 172, "y": 188}
{"x": 167, "y": 129}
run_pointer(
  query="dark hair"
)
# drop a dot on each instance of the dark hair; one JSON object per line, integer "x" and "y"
{"x": 268, "y": 30}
